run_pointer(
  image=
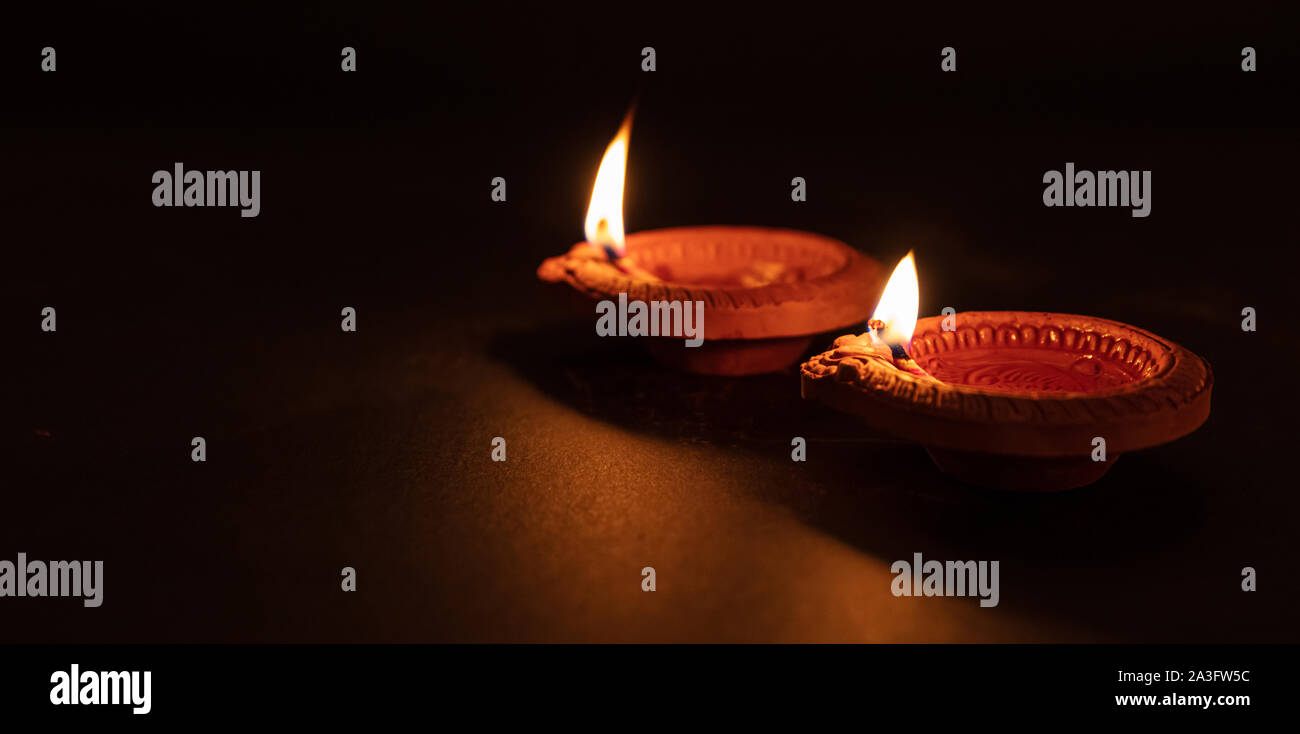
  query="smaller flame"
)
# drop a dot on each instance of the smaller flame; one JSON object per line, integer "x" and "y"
{"x": 899, "y": 304}
{"x": 604, "y": 225}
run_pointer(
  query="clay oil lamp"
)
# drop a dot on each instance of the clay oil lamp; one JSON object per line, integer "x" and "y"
{"x": 1012, "y": 400}
{"x": 764, "y": 293}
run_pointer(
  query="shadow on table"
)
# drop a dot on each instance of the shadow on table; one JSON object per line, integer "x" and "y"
{"x": 1067, "y": 555}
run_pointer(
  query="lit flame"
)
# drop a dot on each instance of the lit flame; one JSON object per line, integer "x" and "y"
{"x": 604, "y": 224}
{"x": 899, "y": 303}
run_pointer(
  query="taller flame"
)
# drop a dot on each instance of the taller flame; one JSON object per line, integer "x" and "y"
{"x": 604, "y": 225}
{"x": 899, "y": 303}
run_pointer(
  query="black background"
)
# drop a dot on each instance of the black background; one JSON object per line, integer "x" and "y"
{"x": 371, "y": 449}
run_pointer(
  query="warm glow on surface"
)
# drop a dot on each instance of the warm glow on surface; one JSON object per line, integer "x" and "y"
{"x": 899, "y": 303}
{"x": 604, "y": 226}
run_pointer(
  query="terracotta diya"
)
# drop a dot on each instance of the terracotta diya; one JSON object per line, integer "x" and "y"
{"x": 1011, "y": 399}
{"x": 765, "y": 293}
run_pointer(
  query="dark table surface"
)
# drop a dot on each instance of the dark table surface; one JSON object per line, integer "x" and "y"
{"x": 372, "y": 449}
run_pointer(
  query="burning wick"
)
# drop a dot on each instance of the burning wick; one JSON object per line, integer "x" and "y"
{"x": 892, "y": 324}
{"x": 604, "y": 238}
{"x": 628, "y": 267}
{"x": 625, "y": 263}
{"x": 604, "y": 223}
{"x": 903, "y": 361}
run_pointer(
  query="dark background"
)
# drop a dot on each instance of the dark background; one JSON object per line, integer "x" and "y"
{"x": 371, "y": 449}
